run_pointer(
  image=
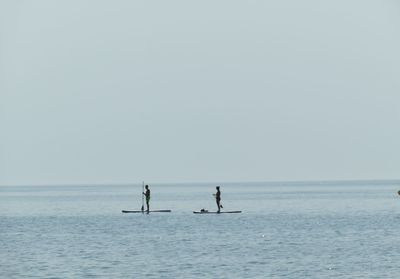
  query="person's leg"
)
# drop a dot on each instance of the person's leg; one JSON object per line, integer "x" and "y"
{"x": 148, "y": 205}
{"x": 219, "y": 206}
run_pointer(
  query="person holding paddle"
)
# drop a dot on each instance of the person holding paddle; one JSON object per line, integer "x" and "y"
{"x": 147, "y": 195}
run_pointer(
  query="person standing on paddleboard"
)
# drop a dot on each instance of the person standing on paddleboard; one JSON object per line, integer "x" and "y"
{"x": 147, "y": 195}
{"x": 218, "y": 199}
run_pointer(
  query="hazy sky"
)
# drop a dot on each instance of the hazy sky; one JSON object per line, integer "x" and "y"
{"x": 173, "y": 91}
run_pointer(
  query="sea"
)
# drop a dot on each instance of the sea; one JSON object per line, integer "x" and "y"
{"x": 286, "y": 230}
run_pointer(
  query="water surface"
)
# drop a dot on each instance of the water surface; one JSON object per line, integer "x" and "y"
{"x": 287, "y": 230}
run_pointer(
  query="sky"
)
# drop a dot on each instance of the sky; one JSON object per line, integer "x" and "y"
{"x": 198, "y": 91}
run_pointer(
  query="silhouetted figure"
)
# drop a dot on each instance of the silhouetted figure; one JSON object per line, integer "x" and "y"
{"x": 147, "y": 195}
{"x": 398, "y": 193}
{"x": 218, "y": 199}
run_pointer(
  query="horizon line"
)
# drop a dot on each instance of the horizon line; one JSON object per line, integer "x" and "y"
{"x": 270, "y": 182}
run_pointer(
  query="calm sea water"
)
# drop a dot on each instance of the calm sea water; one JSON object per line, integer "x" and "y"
{"x": 294, "y": 230}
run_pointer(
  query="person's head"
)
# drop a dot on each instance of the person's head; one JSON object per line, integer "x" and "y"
{"x": 147, "y": 186}
{"x": 217, "y": 188}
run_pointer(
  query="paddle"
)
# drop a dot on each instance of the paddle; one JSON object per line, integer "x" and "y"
{"x": 142, "y": 196}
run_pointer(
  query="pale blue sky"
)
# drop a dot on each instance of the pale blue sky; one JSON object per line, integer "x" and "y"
{"x": 174, "y": 91}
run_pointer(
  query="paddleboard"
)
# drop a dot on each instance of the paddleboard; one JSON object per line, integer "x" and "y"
{"x": 215, "y": 212}
{"x": 139, "y": 211}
